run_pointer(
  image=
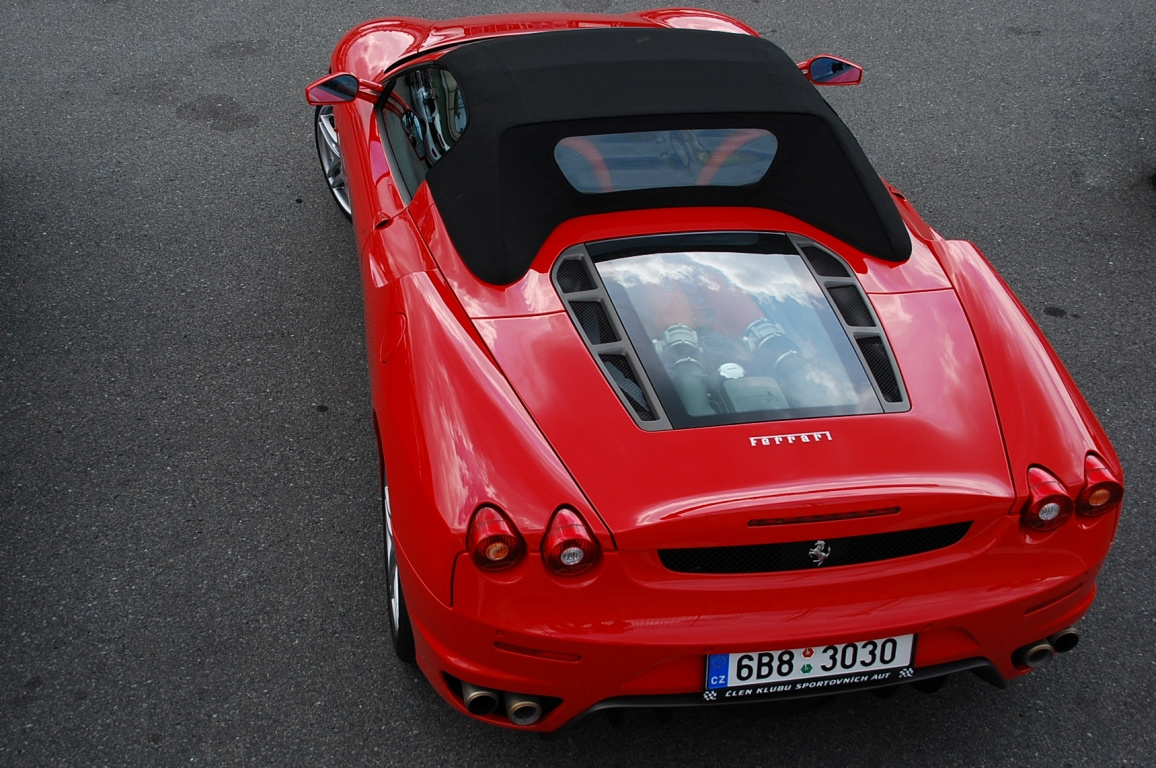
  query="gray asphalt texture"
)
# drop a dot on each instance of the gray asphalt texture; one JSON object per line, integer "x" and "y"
{"x": 190, "y": 549}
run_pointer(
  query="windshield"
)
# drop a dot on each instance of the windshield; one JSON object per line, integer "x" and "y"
{"x": 736, "y": 337}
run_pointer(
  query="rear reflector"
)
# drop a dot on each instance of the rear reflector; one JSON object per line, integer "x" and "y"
{"x": 537, "y": 652}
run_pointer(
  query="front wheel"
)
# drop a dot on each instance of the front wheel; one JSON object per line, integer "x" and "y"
{"x": 329, "y": 153}
{"x": 400, "y": 630}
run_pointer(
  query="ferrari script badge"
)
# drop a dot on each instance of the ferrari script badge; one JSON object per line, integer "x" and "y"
{"x": 800, "y": 437}
{"x": 820, "y": 552}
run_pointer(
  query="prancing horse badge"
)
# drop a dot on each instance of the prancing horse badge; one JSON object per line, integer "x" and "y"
{"x": 820, "y": 552}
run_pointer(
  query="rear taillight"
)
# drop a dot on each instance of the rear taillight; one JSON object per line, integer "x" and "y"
{"x": 493, "y": 541}
{"x": 1102, "y": 491}
{"x": 1049, "y": 505}
{"x": 568, "y": 548}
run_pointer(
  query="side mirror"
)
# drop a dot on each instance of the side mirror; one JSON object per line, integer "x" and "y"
{"x": 831, "y": 70}
{"x": 340, "y": 88}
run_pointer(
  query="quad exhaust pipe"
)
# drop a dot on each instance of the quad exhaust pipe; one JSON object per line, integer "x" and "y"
{"x": 479, "y": 701}
{"x": 521, "y": 708}
{"x": 1038, "y": 654}
{"x": 1065, "y": 640}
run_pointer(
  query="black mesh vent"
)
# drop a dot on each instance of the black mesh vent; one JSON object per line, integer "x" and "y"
{"x": 851, "y": 305}
{"x": 573, "y": 277}
{"x": 824, "y": 263}
{"x": 796, "y": 556}
{"x": 594, "y": 321}
{"x": 623, "y": 375}
{"x": 880, "y": 364}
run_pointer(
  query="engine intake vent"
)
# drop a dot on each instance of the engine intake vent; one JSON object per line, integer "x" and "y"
{"x": 589, "y": 306}
{"x": 824, "y": 264}
{"x": 627, "y": 380}
{"x": 851, "y": 305}
{"x": 875, "y": 353}
{"x": 573, "y": 276}
{"x": 594, "y": 321}
{"x": 855, "y": 310}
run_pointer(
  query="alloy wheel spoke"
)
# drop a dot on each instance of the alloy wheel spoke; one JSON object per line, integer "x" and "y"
{"x": 329, "y": 152}
{"x": 329, "y": 134}
{"x": 391, "y": 566}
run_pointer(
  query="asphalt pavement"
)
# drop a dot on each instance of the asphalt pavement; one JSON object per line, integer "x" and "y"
{"x": 190, "y": 547}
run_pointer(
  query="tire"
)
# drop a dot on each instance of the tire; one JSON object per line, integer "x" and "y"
{"x": 329, "y": 153}
{"x": 400, "y": 629}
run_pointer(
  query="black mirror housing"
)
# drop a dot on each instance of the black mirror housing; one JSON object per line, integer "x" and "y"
{"x": 831, "y": 70}
{"x": 340, "y": 88}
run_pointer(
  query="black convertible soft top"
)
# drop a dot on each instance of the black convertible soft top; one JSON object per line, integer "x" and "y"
{"x": 524, "y": 93}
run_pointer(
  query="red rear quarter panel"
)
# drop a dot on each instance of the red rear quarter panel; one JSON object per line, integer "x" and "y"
{"x": 455, "y": 436}
{"x": 1045, "y": 419}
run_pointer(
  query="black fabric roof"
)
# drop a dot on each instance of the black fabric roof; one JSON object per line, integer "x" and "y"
{"x": 524, "y": 93}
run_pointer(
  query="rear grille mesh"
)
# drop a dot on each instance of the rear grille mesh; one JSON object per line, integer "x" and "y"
{"x": 796, "y": 556}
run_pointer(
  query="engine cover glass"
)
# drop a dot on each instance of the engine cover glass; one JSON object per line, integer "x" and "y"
{"x": 737, "y": 337}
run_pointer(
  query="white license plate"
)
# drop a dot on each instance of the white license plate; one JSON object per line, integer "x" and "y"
{"x": 818, "y": 666}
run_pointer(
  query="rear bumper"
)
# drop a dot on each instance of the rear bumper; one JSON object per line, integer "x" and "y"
{"x": 981, "y": 667}
{"x": 635, "y": 634}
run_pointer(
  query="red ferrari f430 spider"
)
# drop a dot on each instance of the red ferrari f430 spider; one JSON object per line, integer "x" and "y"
{"x": 677, "y": 402}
